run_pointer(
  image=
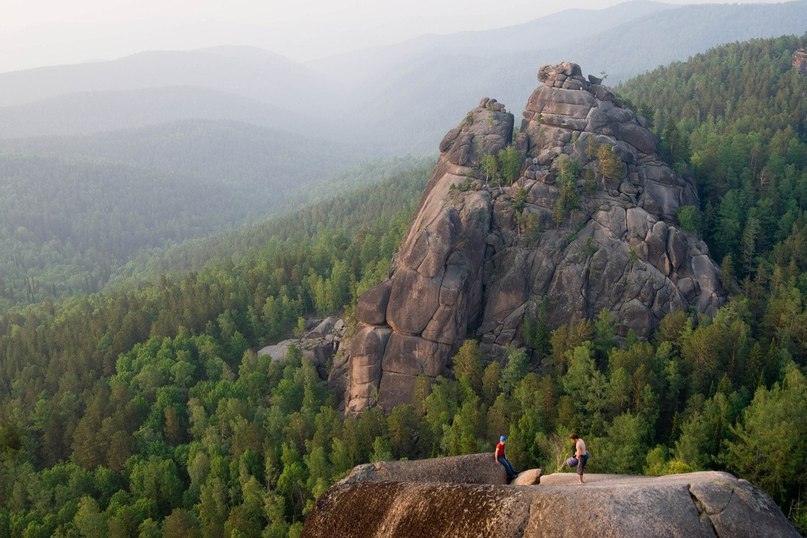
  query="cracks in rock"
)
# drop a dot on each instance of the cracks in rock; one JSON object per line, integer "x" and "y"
{"x": 522, "y": 527}
{"x": 585, "y": 291}
{"x": 703, "y": 513}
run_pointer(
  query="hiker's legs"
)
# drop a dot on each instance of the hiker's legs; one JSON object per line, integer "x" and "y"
{"x": 581, "y": 464}
{"x": 511, "y": 473}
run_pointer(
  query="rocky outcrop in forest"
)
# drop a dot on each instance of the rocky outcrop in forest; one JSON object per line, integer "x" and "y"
{"x": 800, "y": 61}
{"x": 709, "y": 504}
{"x": 573, "y": 216}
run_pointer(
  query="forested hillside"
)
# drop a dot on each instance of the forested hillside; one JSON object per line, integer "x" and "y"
{"x": 146, "y": 412}
{"x": 90, "y": 383}
{"x": 75, "y": 209}
{"x": 736, "y": 119}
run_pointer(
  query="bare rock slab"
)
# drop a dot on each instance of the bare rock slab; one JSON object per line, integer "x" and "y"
{"x": 422, "y": 498}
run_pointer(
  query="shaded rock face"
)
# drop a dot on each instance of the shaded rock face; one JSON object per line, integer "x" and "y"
{"x": 478, "y": 259}
{"x": 800, "y": 61}
{"x": 708, "y": 504}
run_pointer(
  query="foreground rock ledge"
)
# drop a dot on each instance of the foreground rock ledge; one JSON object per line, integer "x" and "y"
{"x": 705, "y": 504}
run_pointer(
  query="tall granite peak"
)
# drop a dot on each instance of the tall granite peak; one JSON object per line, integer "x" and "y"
{"x": 589, "y": 223}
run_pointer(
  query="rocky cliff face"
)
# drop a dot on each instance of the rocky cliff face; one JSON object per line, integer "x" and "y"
{"x": 590, "y": 224}
{"x": 800, "y": 61}
{"x": 708, "y": 504}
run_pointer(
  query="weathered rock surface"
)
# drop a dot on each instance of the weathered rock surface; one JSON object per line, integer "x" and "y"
{"x": 471, "y": 469}
{"x": 800, "y": 61}
{"x": 527, "y": 478}
{"x": 708, "y": 504}
{"x": 478, "y": 259}
{"x": 319, "y": 344}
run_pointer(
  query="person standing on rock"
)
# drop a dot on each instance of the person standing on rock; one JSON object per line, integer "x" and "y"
{"x": 499, "y": 456}
{"x": 580, "y": 457}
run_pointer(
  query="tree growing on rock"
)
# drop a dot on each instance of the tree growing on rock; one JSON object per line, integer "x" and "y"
{"x": 610, "y": 165}
{"x": 510, "y": 163}
{"x": 567, "y": 170}
{"x": 490, "y": 166}
{"x": 503, "y": 167}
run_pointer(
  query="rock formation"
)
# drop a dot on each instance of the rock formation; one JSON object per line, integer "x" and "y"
{"x": 708, "y": 504}
{"x": 800, "y": 62}
{"x": 589, "y": 224}
{"x": 319, "y": 344}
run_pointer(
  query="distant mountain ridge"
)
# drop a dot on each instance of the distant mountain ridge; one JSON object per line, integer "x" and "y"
{"x": 391, "y": 99}
{"x": 246, "y": 155}
{"x": 250, "y": 71}
{"x": 110, "y": 110}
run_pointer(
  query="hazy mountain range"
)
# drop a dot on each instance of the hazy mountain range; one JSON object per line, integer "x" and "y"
{"x": 389, "y": 99}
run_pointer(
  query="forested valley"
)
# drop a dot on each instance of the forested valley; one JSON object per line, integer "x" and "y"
{"x": 74, "y": 209}
{"x": 146, "y": 411}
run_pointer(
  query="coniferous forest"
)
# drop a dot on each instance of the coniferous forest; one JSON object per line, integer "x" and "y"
{"x": 145, "y": 411}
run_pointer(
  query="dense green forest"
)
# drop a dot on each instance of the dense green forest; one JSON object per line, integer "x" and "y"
{"x": 74, "y": 210}
{"x": 735, "y": 119}
{"x": 146, "y": 412}
{"x": 90, "y": 383}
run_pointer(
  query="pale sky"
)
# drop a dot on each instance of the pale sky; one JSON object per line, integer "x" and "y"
{"x": 35, "y": 33}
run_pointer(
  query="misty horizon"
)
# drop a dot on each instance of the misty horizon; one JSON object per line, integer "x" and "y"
{"x": 304, "y": 33}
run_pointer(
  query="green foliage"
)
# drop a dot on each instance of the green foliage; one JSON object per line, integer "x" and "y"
{"x": 70, "y": 222}
{"x": 689, "y": 217}
{"x": 170, "y": 423}
{"x": 609, "y": 165}
{"x": 531, "y": 229}
{"x": 625, "y": 448}
{"x": 514, "y": 370}
{"x": 468, "y": 366}
{"x": 504, "y": 167}
{"x": 490, "y": 166}
{"x": 535, "y": 331}
{"x": 744, "y": 143}
{"x": 510, "y": 163}
{"x": 657, "y": 463}
{"x": 567, "y": 170}
{"x": 769, "y": 441}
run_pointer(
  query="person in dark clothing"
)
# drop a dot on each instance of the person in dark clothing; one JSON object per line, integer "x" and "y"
{"x": 499, "y": 456}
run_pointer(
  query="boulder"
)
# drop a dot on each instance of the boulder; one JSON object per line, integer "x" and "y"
{"x": 527, "y": 478}
{"x": 323, "y": 328}
{"x": 278, "y": 351}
